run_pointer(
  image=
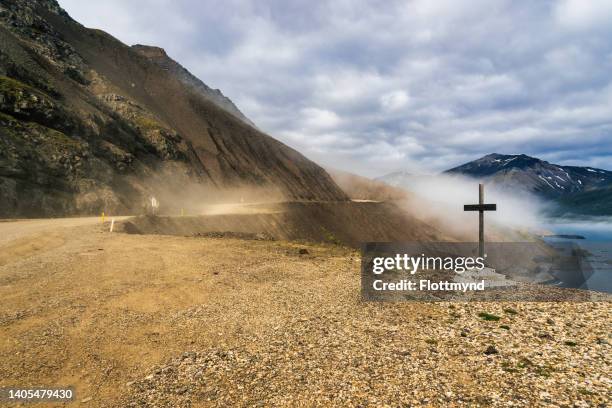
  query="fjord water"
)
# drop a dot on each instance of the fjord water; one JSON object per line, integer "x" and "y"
{"x": 597, "y": 242}
{"x": 592, "y": 229}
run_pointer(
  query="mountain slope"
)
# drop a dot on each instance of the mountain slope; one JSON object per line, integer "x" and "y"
{"x": 89, "y": 124}
{"x": 158, "y": 55}
{"x": 362, "y": 188}
{"x": 534, "y": 175}
{"x": 593, "y": 202}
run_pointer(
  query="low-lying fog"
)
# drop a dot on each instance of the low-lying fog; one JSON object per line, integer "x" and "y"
{"x": 440, "y": 200}
{"x": 446, "y": 195}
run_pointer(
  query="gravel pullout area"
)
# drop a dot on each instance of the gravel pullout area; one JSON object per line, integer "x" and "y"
{"x": 446, "y": 356}
{"x": 330, "y": 349}
{"x": 158, "y": 321}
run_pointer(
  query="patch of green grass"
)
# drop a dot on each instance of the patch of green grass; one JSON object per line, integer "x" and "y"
{"x": 61, "y": 139}
{"x": 11, "y": 86}
{"x": 330, "y": 237}
{"x": 431, "y": 341}
{"x": 570, "y": 343}
{"x": 584, "y": 391}
{"x": 146, "y": 123}
{"x": 505, "y": 327}
{"x": 506, "y": 366}
{"x": 6, "y": 118}
{"x": 38, "y": 85}
{"x": 511, "y": 311}
{"x": 488, "y": 317}
{"x": 524, "y": 362}
{"x": 542, "y": 371}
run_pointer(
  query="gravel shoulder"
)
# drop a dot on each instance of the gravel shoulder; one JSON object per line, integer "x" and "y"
{"x": 169, "y": 321}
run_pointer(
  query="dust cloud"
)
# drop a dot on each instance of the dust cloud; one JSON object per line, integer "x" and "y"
{"x": 189, "y": 198}
{"x": 435, "y": 200}
{"x": 362, "y": 189}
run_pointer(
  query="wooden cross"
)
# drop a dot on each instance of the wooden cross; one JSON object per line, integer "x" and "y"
{"x": 481, "y": 207}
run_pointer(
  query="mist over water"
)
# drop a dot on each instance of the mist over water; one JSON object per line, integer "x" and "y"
{"x": 442, "y": 197}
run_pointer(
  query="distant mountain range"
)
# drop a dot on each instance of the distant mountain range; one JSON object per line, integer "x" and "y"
{"x": 534, "y": 175}
{"x": 572, "y": 189}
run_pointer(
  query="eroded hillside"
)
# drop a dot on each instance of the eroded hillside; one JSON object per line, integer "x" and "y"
{"x": 89, "y": 124}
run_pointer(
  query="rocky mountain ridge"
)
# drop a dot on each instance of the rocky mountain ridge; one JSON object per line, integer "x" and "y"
{"x": 534, "y": 175}
{"x": 88, "y": 124}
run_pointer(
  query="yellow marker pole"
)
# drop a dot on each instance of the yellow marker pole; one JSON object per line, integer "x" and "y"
{"x": 102, "y": 217}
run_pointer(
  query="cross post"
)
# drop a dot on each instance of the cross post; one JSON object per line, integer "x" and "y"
{"x": 481, "y": 207}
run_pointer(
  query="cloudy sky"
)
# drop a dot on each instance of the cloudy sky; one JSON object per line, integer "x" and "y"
{"x": 377, "y": 86}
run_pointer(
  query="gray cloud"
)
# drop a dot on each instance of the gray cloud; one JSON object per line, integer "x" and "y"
{"x": 376, "y": 86}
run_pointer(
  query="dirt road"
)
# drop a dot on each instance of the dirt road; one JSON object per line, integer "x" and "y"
{"x": 169, "y": 321}
{"x": 11, "y": 230}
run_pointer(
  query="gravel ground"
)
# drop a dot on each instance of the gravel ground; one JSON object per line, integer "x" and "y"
{"x": 156, "y": 321}
{"x": 347, "y": 354}
{"x": 328, "y": 348}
